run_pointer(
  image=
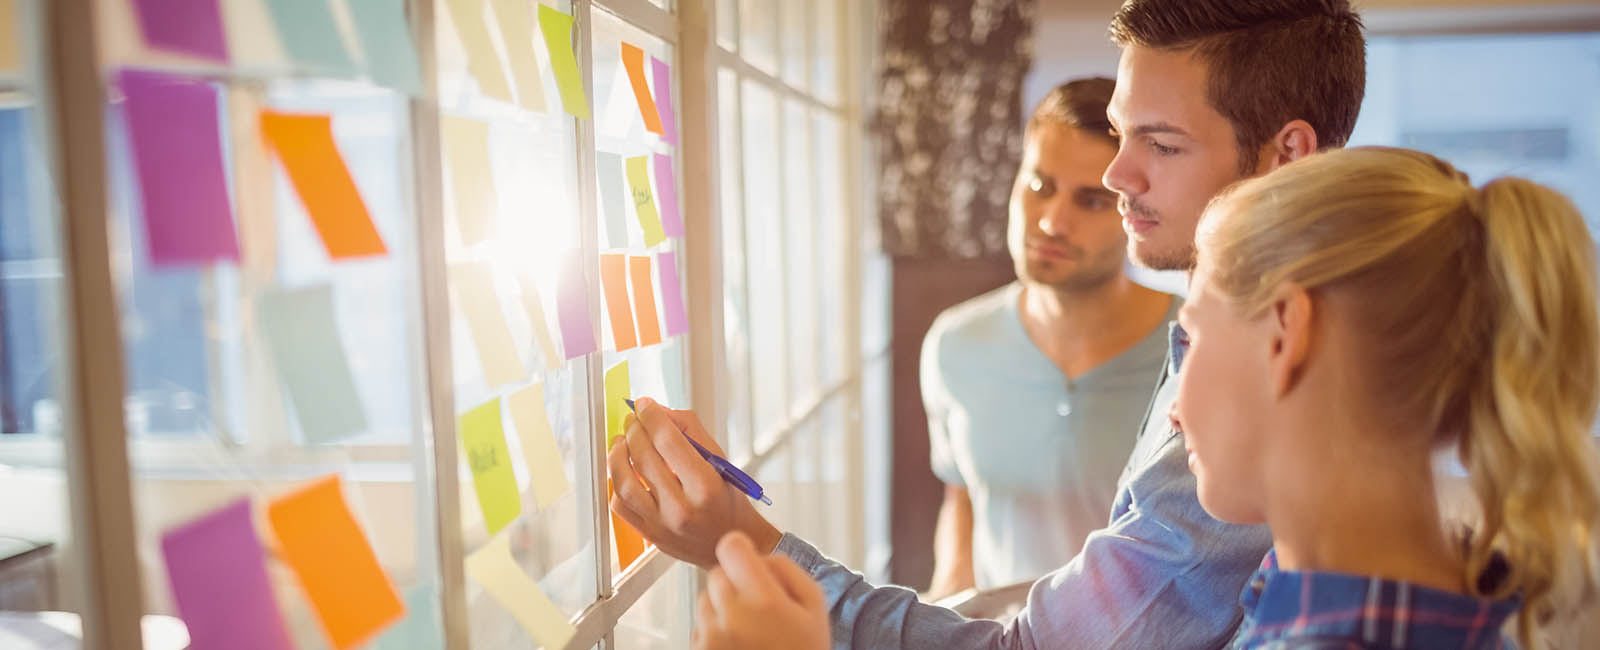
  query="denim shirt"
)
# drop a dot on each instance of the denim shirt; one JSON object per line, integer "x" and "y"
{"x": 1161, "y": 574}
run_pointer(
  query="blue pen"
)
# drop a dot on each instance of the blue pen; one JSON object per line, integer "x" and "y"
{"x": 730, "y": 472}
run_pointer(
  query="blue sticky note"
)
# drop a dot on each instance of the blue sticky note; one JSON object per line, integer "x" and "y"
{"x": 386, "y": 42}
{"x": 311, "y": 36}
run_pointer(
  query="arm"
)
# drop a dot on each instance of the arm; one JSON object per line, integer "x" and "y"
{"x": 952, "y": 545}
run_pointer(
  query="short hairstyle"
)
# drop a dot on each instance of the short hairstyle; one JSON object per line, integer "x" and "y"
{"x": 1268, "y": 62}
{"x": 1080, "y": 103}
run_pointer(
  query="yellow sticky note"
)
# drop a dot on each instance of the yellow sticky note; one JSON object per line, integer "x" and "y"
{"x": 10, "y": 37}
{"x": 534, "y": 304}
{"x": 473, "y": 285}
{"x": 493, "y": 567}
{"x": 484, "y": 439}
{"x": 644, "y": 200}
{"x": 516, "y": 31}
{"x": 557, "y": 28}
{"x": 466, "y": 152}
{"x": 482, "y": 60}
{"x": 616, "y": 410}
{"x": 539, "y": 447}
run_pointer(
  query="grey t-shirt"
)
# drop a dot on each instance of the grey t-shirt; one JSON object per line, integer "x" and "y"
{"x": 1038, "y": 453}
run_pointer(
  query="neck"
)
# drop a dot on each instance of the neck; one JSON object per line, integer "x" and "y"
{"x": 1079, "y": 329}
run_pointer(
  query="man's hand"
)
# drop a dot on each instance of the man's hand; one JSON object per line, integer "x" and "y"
{"x": 759, "y": 601}
{"x": 665, "y": 490}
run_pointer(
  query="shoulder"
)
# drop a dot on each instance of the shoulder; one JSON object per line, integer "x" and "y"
{"x": 984, "y": 318}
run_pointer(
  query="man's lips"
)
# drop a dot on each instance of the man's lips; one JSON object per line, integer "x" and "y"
{"x": 1050, "y": 250}
{"x": 1137, "y": 224}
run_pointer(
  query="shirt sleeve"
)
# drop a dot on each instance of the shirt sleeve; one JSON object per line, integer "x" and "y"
{"x": 936, "y": 402}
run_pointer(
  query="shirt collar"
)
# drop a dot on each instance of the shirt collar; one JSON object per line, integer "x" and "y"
{"x": 1177, "y": 346}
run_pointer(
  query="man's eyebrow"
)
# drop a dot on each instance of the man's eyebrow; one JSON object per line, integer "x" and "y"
{"x": 1098, "y": 191}
{"x": 1157, "y": 127}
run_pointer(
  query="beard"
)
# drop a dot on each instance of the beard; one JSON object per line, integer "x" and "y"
{"x": 1151, "y": 253}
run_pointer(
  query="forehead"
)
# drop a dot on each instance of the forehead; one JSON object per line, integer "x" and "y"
{"x": 1063, "y": 149}
{"x": 1161, "y": 86}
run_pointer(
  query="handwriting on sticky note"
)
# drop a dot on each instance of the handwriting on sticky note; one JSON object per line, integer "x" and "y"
{"x": 219, "y": 580}
{"x": 669, "y": 115}
{"x": 466, "y": 150}
{"x": 572, "y": 302}
{"x": 557, "y": 29}
{"x": 617, "y": 387}
{"x": 177, "y": 149}
{"x": 642, "y": 278}
{"x": 493, "y": 567}
{"x": 633, "y": 61}
{"x": 539, "y": 448}
{"x": 304, "y": 144}
{"x": 473, "y": 286}
{"x": 667, "y": 189}
{"x": 320, "y": 540}
{"x": 470, "y": 18}
{"x": 484, "y": 439}
{"x": 310, "y": 34}
{"x": 644, "y": 202}
{"x": 672, "y": 294}
{"x": 516, "y": 29}
{"x": 614, "y": 280}
{"x": 391, "y": 54}
{"x": 614, "y": 198}
{"x": 308, "y": 352}
{"x": 182, "y": 26}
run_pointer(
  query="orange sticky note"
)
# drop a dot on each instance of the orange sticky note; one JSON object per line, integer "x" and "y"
{"x": 614, "y": 279}
{"x": 304, "y": 144}
{"x": 321, "y": 542}
{"x": 633, "y": 60}
{"x": 644, "y": 300}
{"x": 630, "y": 544}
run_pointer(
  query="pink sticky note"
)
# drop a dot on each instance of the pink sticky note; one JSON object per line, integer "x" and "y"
{"x": 172, "y": 127}
{"x": 672, "y": 295}
{"x": 663, "y": 92}
{"x": 183, "y": 26}
{"x": 219, "y": 580}
{"x": 667, "y": 196}
{"x": 577, "y": 330}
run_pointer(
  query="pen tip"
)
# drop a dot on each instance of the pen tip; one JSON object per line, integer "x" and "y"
{"x": 627, "y": 401}
{"x": 765, "y": 500}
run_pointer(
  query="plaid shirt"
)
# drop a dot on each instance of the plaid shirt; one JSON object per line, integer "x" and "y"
{"x": 1310, "y": 610}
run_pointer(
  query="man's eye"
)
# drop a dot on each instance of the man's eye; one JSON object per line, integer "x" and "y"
{"x": 1096, "y": 203}
{"x": 1041, "y": 186}
{"x": 1162, "y": 149}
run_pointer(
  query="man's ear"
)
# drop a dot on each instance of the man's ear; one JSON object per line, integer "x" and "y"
{"x": 1292, "y": 328}
{"x": 1294, "y": 141}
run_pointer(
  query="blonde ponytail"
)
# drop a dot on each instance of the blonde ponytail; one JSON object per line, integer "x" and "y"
{"x": 1481, "y": 323}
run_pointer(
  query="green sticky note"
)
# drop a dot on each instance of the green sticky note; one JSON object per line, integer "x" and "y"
{"x": 311, "y": 36}
{"x": 483, "y": 437}
{"x": 557, "y": 28}
{"x": 303, "y": 334}
{"x": 421, "y": 628}
{"x": 616, "y": 410}
{"x": 386, "y": 42}
{"x": 644, "y": 201}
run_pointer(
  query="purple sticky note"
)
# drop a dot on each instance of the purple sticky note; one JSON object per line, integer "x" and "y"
{"x": 667, "y": 196}
{"x": 183, "y": 26}
{"x": 577, "y": 330}
{"x": 219, "y": 580}
{"x": 669, "y": 115}
{"x": 177, "y": 150}
{"x": 672, "y": 295}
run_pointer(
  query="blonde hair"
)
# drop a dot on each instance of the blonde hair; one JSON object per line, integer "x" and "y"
{"x": 1480, "y": 308}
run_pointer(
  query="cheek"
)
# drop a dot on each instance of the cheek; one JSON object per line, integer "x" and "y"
{"x": 1216, "y": 411}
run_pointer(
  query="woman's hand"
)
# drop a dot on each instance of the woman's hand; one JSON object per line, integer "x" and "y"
{"x": 759, "y": 601}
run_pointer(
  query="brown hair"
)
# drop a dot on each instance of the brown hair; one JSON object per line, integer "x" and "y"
{"x": 1080, "y": 103}
{"x": 1481, "y": 322}
{"x": 1269, "y": 62}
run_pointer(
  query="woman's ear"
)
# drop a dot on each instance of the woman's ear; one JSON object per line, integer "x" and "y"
{"x": 1291, "y": 325}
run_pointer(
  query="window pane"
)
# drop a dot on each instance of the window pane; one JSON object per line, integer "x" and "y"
{"x": 796, "y": 39}
{"x": 832, "y": 271}
{"x": 728, "y": 24}
{"x": 800, "y": 225}
{"x": 662, "y": 617}
{"x": 826, "y": 54}
{"x": 758, "y": 34}
{"x": 765, "y": 251}
{"x": 735, "y": 315}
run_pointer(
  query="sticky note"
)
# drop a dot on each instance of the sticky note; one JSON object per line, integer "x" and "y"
{"x": 614, "y": 198}
{"x": 672, "y": 375}
{"x": 572, "y": 303}
{"x": 616, "y": 390}
{"x": 319, "y": 539}
{"x": 191, "y": 27}
{"x": 317, "y": 170}
{"x": 557, "y": 29}
{"x": 633, "y": 61}
{"x": 177, "y": 150}
{"x": 219, "y": 580}
{"x": 667, "y": 189}
{"x": 644, "y": 202}
{"x": 10, "y": 37}
{"x": 672, "y": 294}
{"x": 614, "y": 281}
{"x": 391, "y": 54}
{"x": 466, "y": 151}
{"x": 303, "y": 335}
{"x": 539, "y": 449}
{"x": 483, "y": 61}
{"x": 629, "y": 543}
{"x": 473, "y": 285}
{"x": 484, "y": 439}
{"x": 493, "y": 567}
{"x": 311, "y": 36}
{"x": 663, "y": 87}
{"x": 422, "y": 628}
{"x": 516, "y": 31}
{"x": 644, "y": 300}
{"x": 534, "y": 304}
